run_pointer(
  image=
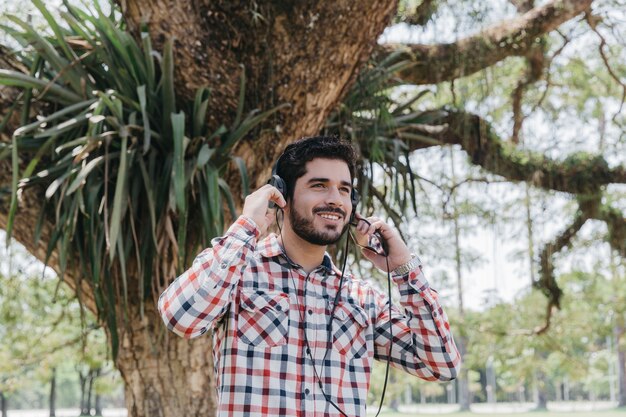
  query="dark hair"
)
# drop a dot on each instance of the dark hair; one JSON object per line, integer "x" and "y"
{"x": 291, "y": 165}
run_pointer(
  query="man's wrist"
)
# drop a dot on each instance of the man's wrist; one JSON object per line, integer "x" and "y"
{"x": 408, "y": 266}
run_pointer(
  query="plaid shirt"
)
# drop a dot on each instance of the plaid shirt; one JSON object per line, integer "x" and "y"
{"x": 259, "y": 307}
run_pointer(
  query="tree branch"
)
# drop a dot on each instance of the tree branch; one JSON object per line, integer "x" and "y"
{"x": 515, "y": 37}
{"x": 547, "y": 281}
{"x": 579, "y": 173}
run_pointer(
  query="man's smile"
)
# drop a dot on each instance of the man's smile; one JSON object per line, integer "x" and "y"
{"x": 330, "y": 216}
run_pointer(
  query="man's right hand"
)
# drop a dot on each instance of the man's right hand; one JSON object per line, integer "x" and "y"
{"x": 256, "y": 206}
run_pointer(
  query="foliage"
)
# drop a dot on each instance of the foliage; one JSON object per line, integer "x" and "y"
{"x": 574, "y": 347}
{"x": 121, "y": 159}
{"x": 380, "y": 119}
{"x": 42, "y": 329}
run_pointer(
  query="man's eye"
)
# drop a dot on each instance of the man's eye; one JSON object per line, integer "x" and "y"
{"x": 318, "y": 185}
{"x": 345, "y": 190}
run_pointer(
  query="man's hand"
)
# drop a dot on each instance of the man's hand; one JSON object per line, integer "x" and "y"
{"x": 256, "y": 206}
{"x": 398, "y": 254}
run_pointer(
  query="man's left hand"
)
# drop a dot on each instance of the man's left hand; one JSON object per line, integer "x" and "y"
{"x": 398, "y": 252}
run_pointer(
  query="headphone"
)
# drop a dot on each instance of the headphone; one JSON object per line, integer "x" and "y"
{"x": 280, "y": 184}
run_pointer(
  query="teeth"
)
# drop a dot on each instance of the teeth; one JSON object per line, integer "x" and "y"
{"x": 330, "y": 216}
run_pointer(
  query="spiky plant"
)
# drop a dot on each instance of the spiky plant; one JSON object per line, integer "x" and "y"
{"x": 381, "y": 121}
{"x": 120, "y": 159}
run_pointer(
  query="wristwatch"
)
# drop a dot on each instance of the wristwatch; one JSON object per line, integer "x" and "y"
{"x": 413, "y": 263}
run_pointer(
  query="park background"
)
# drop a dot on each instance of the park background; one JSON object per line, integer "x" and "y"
{"x": 492, "y": 136}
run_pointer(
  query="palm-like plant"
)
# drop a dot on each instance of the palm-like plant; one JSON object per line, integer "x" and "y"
{"x": 121, "y": 160}
{"x": 382, "y": 122}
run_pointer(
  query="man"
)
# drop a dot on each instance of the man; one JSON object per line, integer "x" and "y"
{"x": 270, "y": 302}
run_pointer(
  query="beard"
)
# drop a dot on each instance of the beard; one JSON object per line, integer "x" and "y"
{"x": 304, "y": 228}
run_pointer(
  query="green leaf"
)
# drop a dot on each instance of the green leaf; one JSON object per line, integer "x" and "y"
{"x": 60, "y": 38}
{"x": 178, "y": 133}
{"x": 243, "y": 171}
{"x": 200, "y": 106}
{"x": 141, "y": 93}
{"x": 18, "y": 79}
{"x": 229, "y": 199}
{"x": 66, "y": 72}
{"x": 249, "y": 123}
{"x": 85, "y": 171}
{"x": 204, "y": 155}
{"x": 118, "y": 199}
{"x": 214, "y": 200}
{"x": 167, "y": 90}
{"x": 151, "y": 198}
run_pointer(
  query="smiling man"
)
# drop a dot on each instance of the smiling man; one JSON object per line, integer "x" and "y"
{"x": 291, "y": 335}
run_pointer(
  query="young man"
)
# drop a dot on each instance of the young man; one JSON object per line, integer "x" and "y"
{"x": 271, "y": 301}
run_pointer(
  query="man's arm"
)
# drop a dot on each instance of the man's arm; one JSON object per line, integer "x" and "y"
{"x": 422, "y": 341}
{"x": 201, "y": 295}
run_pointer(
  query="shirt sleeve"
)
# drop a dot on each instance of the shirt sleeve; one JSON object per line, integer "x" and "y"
{"x": 423, "y": 344}
{"x": 196, "y": 300}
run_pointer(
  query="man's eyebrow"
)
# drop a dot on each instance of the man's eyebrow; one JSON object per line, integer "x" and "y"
{"x": 320, "y": 179}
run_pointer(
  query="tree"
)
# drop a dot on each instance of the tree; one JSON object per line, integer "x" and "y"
{"x": 152, "y": 160}
{"x": 43, "y": 328}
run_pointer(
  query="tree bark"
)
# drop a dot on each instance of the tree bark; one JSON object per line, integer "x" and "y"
{"x": 578, "y": 174}
{"x": 84, "y": 409}
{"x": 4, "y": 404}
{"x": 53, "y": 393}
{"x": 97, "y": 397}
{"x": 165, "y": 375}
{"x": 514, "y": 37}
{"x": 618, "y": 334}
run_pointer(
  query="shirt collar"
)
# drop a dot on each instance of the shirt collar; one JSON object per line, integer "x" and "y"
{"x": 270, "y": 248}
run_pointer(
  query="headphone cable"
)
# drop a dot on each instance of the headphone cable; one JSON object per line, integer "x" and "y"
{"x": 332, "y": 315}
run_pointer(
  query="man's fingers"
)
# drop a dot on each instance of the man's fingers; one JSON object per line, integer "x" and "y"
{"x": 277, "y": 197}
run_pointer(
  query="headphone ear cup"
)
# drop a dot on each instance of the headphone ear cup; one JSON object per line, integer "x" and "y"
{"x": 354, "y": 198}
{"x": 280, "y": 185}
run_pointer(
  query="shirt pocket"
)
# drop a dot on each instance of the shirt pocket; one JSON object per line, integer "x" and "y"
{"x": 263, "y": 318}
{"x": 349, "y": 331}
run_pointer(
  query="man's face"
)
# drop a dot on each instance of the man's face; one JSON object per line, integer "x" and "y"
{"x": 320, "y": 209}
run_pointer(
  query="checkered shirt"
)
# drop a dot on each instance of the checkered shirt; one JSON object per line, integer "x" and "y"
{"x": 259, "y": 307}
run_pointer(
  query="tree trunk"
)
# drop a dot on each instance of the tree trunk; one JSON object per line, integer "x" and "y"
{"x": 4, "y": 404}
{"x": 165, "y": 375}
{"x": 89, "y": 391}
{"x": 461, "y": 341}
{"x": 53, "y": 393}
{"x": 97, "y": 396}
{"x": 618, "y": 333}
{"x": 84, "y": 409}
{"x": 540, "y": 387}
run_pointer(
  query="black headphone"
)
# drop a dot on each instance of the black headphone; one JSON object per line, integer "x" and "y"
{"x": 280, "y": 184}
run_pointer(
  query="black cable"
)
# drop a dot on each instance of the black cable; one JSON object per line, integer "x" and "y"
{"x": 332, "y": 315}
{"x": 306, "y": 339}
{"x": 380, "y": 238}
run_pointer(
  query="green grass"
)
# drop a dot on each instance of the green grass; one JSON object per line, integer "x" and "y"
{"x": 619, "y": 412}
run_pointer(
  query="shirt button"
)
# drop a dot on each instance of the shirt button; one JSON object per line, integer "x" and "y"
{"x": 435, "y": 314}
{"x": 223, "y": 265}
{"x": 306, "y": 391}
{"x": 310, "y": 311}
{"x": 308, "y": 351}
{"x": 279, "y": 308}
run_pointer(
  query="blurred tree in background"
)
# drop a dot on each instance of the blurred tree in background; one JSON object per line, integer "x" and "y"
{"x": 47, "y": 341}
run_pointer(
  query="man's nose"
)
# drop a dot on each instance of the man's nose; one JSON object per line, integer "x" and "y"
{"x": 333, "y": 197}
